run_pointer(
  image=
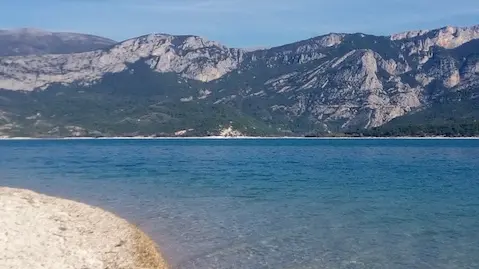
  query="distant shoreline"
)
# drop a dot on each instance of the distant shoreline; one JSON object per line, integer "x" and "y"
{"x": 245, "y": 138}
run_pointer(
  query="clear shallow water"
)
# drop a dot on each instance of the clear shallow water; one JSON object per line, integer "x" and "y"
{"x": 289, "y": 204}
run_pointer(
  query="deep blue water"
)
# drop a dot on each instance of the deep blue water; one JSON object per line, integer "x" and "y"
{"x": 287, "y": 204}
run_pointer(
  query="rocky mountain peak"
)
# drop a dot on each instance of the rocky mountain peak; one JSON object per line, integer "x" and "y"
{"x": 453, "y": 37}
{"x": 418, "y": 42}
{"x": 409, "y": 34}
{"x": 180, "y": 43}
{"x": 191, "y": 56}
{"x": 329, "y": 40}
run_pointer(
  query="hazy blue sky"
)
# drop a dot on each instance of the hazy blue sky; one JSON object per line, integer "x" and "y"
{"x": 240, "y": 23}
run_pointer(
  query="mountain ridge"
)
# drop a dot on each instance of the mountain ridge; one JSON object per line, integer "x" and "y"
{"x": 30, "y": 41}
{"x": 326, "y": 84}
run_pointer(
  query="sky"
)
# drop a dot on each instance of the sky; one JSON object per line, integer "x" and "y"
{"x": 237, "y": 23}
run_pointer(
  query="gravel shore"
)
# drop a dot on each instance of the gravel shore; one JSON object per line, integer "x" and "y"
{"x": 39, "y": 231}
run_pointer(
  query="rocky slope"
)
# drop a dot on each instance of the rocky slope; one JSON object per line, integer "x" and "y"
{"x": 325, "y": 84}
{"x": 27, "y": 41}
{"x": 191, "y": 56}
{"x": 338, "y": 82}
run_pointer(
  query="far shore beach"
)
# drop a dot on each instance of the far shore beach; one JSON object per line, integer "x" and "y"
{"x": 241, "y": 137}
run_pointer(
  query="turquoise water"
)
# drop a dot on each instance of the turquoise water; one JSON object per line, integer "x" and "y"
{"x": 292, "y": 204}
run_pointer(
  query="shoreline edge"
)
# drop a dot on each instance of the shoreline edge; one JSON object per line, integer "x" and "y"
{"x": 40, "y": 231}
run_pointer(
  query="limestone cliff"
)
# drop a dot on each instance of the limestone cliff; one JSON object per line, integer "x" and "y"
{"x": 332, "y": 82}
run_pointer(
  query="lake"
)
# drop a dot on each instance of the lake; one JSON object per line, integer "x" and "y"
{"x": 273, "y": 203}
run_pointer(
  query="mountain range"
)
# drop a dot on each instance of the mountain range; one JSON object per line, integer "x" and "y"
{"x": 166, "y": 85}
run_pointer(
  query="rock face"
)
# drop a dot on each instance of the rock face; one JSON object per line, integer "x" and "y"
{"x": 328, "y": 83}
{"x": 28, "y": 41}
{"x": 230, "y": 132}
{"x": 191, "y": 56}
{"x": 448, "y": 37}
{"x": 38, "y": 231}
{"x": 360, "y": 83}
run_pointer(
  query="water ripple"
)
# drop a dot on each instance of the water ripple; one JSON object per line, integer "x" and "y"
{"x": 396, "y": 204}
